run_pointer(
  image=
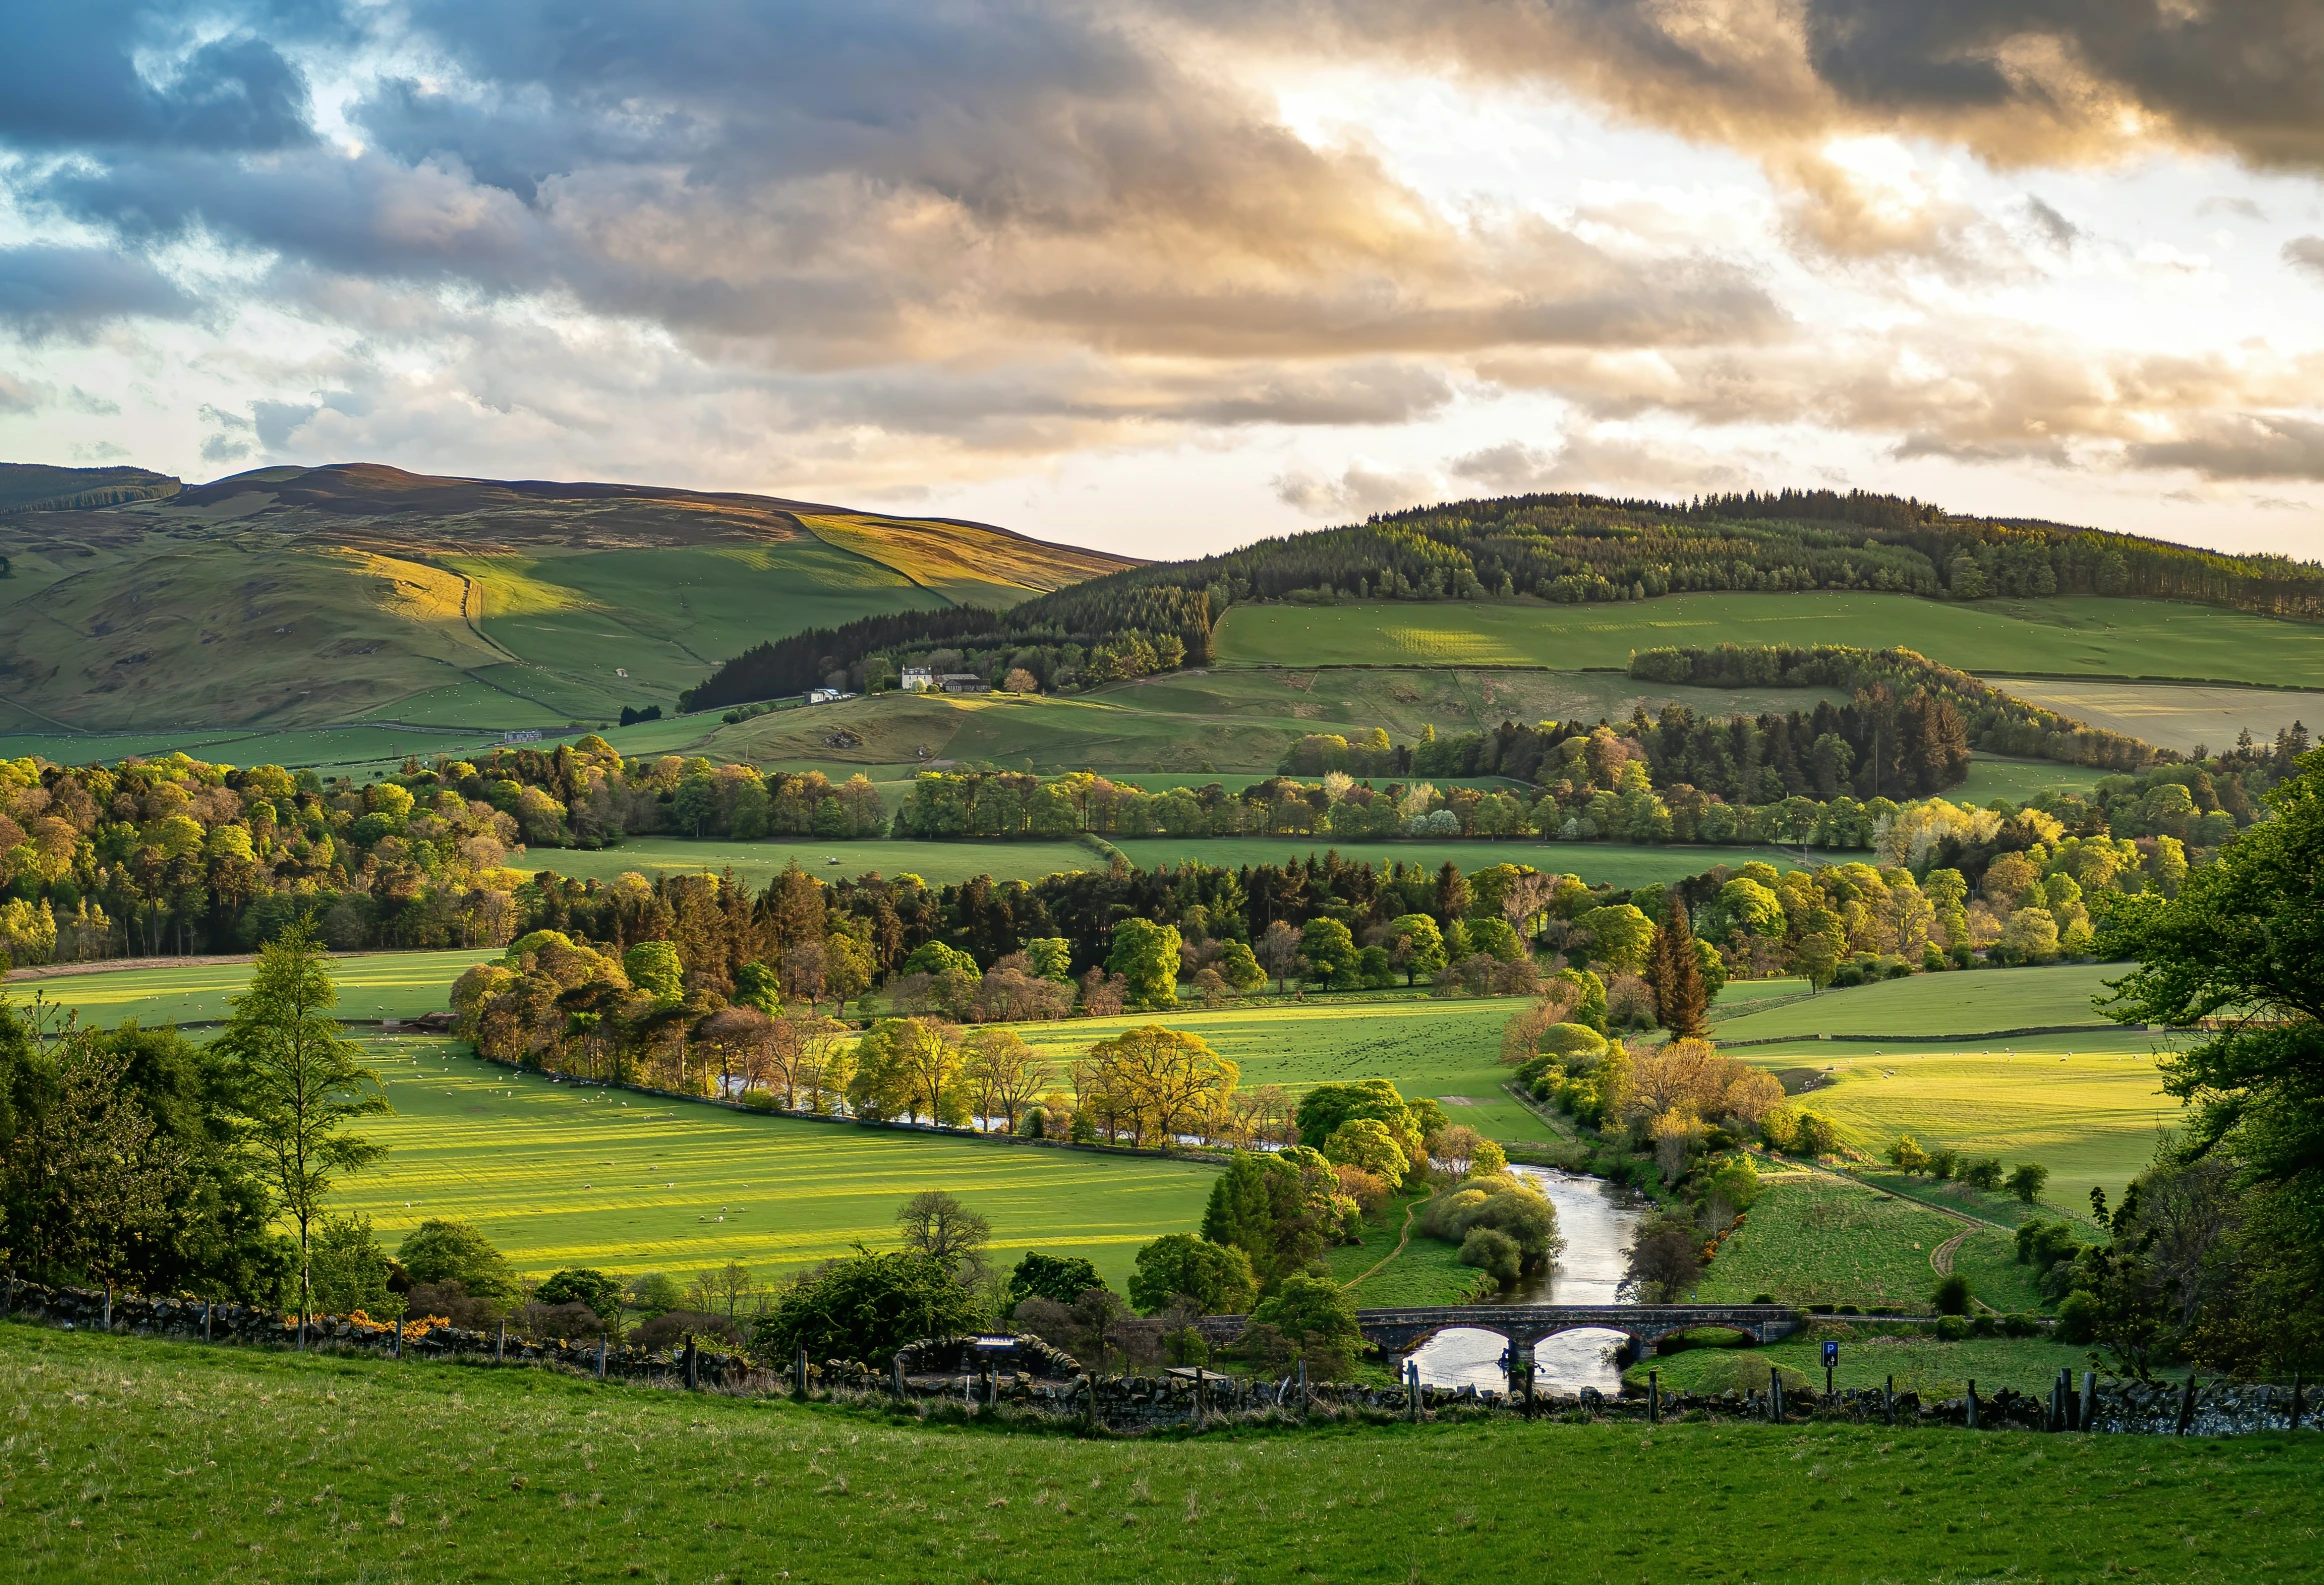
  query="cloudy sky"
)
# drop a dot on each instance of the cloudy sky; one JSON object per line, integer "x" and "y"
{"x": 1166, "y": 275}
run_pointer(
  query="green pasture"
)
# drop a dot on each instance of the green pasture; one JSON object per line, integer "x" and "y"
{"x": 562, "y": 1174}
{"x": 1816, "y": 1239}
{"x": 1963, "y": 1002}
{"x": 1933, "y": 1368}
{"x": 1597, "y": 862}
{"x": 2183, "y": 716}
{"x": 371, "y": 985}
{"x": 756, "y": 863}
{"x": 2092, "y": 636}
{"x": 2090, "y": 1114}
{"x": 2020, "y": 781}
{"x": 1429, "y": 1271}
{"x": 1445, "y": 1048}
{"x": 137, "y": 1458}
{"x": 668, "y": 615}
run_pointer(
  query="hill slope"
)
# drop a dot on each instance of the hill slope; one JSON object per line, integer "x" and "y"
{"x": 306, "y": 597}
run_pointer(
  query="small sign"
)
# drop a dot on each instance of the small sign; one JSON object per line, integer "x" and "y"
{"x": 1831, "y": 1352}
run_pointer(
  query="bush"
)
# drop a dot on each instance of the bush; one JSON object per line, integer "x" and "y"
{"x": 1952, "y": 1295}
{"x": 1510, "y": 1206}
{"x": 653, "y": 1292}
{"x": 669, "y": 1330}
{"x": 454, "y": 1303}
{"x": 1983, "y": 1173}
{"x": 1316, "y": 1319}
{"x": 1493, "y": 1252}
{"x": 865, "y": 1307}
{"x": 1572, "y": 1040}
{"x": 440, "y": 1250}
{"x": 1214, "y": 1279}
{"x": 581, "y": 1285}
{"x": 1366, "y": 1142}
{"x": 1952, "y": 1328}
{"x": 573, "y": 1319}
{"x": 2077, "y": 1318}
{"x": 2027, "y": 1180}
{"x": 1064, "y": 1278}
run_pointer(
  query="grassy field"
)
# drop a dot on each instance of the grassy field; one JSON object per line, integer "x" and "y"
{"x": 1934, "y": 1369}
{"x": 2018, "y": 781}
{"x": 1964, "y": 1003}
{"x": 559, "y": 1174}
{"x": 1813, "y": 1239}
{"x": 2177, "y": 715}
{"x": 2132, "y": 638}
{"x": 1429, "y": 1271}
{"x": 2091, "y": 1117}
{"x": 371, "y": 985}
{"x": 756, "y": 863}
{"x": 143, "y": 1459}
{"x": 1447, "y": 1049}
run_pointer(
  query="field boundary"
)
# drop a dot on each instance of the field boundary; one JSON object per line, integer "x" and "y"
{"x": 1974, "y": 1034}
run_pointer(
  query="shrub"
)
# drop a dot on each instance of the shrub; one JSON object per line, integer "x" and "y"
{"x": 1215, "y": 1279}
{"x": 2027, "y": 1180}
{"x": 866, "y": 1307}
{"x": 454, "y": 1303}
{"x": 1952, "y": 1295}
{"x": 1572, "y": 1040}
{"x": 441, "y": 1250}
{"x": 653, "y": 1292}
{"x": 2077, "y": 1318}
{"x": 581, "y": 1285}
{"x": 1493, "y": 1252}
{"x": 1316, "y": 1319}
{"x": 1064, "y": 1278}
{"x": 1952, "y": 1328}
{"x": 1367, "y": 1189}
{"x": 573, "y": 1319}
{"x": 1508, "y": 1205}
{"x": 669, "y": 1330}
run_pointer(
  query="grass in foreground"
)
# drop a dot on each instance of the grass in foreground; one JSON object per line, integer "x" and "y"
{"x": 1925, "y": 1365}
{"x": 124, "y": 1457}
{"x": 562, "y": 1175}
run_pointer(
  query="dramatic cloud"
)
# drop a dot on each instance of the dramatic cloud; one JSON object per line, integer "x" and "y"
{"x": 883, "y": 246}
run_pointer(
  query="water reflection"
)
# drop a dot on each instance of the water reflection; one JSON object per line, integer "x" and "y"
{"x": 1598, "y": 1229}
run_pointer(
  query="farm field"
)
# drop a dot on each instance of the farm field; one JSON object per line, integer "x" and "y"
{"x": 562, "y": 1174}
{"x": 371, "y": 985}
{"x": 1964, "y": 1002}
{"x": 1814, "y": 1239}
{"x": 175, "y": 1458}
{"x": 2116, "y": 638}
{"x": 2091, "y": 1117}
{"x": 1428, "y": 1272}
{"x": 1927, "y": 1365}
{"x": 757, "y": 863}
{"x": 2175, "y": 715}
{"x": 2019, "y": 781}
{"x": 1446, "y": 1049}
{"x": 1596, "y": 862}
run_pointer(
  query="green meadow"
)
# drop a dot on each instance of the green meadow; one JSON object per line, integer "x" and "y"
{"x": 1993, "y": 777}
{"x": 372, "y": 985}
{"x": 1929, "y": 1366}
{"x": 1959, "y": 1003}
{"x": 2183, "y": 716}
{"x": 2073, "y": 636}
{"x": 1817, "y": 1239}
{"x": 133, "y": 1458}
{"x": 562, "y": 1174}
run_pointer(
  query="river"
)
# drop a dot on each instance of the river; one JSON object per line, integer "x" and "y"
{"x": 1598, "y": 1227}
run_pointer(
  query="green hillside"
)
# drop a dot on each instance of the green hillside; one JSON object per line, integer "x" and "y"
{"x": 292, "y": 600}
{"x": 2084, "y": 635}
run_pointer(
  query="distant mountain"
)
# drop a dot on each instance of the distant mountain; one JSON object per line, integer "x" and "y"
{"x": 311, "y": 597}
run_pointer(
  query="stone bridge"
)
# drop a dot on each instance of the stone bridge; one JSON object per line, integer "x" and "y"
{"x": 1401, "y": 1331}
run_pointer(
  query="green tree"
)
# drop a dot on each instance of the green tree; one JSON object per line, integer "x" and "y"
{"x": 1951, "y": 1296}
{"x": 1240, "y": 969}
{"x": 1316, "y": 1317}
{"x": 1682, "y": 1004}
{"x": 865, "y": 1307}
{"x": 582, "y": 1285}
{"x": 1274, "y": 1208}
{"x": 350, "y": 1268}
{"x": 653, "y": 1293}
{"x": 295, "y": 1083}
{"x": 1146, "y": 955}
{"x": 1365, "y": 1142}
{"x": 442, "y": 1249}
{"x": 654, "y": 967}
{"x": 1330, "y": 950}
{"x": 1907, "y": 1156}
{"x": 1416, "y": 946}
{"x": 2027, "y": 1180}
{"x": 1052, "y": 958}
{"x": 1063, "y": 1278}
{"x": 1215, "y": 1278}
{"x": 1620, "y": 937}
{"x": 756, "y": 985}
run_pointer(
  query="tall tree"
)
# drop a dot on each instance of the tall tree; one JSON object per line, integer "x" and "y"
{"x": 295, "y": 1083}
{"x": 1682, "y": 1003}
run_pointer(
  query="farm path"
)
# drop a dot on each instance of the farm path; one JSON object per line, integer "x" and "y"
{"x": 1941, "y": 1257}
{"x": 1402, "y": 1239}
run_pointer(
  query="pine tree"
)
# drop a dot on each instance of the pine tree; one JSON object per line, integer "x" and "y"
{"x": 1680, "y": 1001}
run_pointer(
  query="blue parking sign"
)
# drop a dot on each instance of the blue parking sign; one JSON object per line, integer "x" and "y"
{"x": 1831, "y": 1352}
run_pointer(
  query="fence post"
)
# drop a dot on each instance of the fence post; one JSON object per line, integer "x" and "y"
{"x": 799, "y": 1372}
{"x": 1306, "y": 1403}
{"x": 1774, "y": 1395}
{"x": 1888, "y": 1399}
{"x": 2089, "y": 1413}
{"x": 1654, "y": 1397}
{"x": 601, "y": 1356}
{"x": 500, "y": 1343}
{"x": 1412, "y": 1390}
{"x": 1089, "y": 1405}
{"x": 108, "y": 1307}
{"x": 8, "y": 1295}
{"x": 693, "y": 1365}
{"x": 2297, "y": 1384}
{"x": 896, "y": 1376}
{"x": 394, "y": 1338}
{"x": 205, "y": 1320}
{"x": 2187, "y": 1404}
{"x": 1972, "y": 1403}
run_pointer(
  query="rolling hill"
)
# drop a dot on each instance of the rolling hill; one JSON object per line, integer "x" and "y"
{"x": 360, "y": 595}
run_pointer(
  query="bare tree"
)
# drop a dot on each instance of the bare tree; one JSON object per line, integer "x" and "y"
{"x": 1278, "y": 952}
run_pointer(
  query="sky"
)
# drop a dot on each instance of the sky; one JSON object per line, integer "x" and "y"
{"x": 1168, "y": 277}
